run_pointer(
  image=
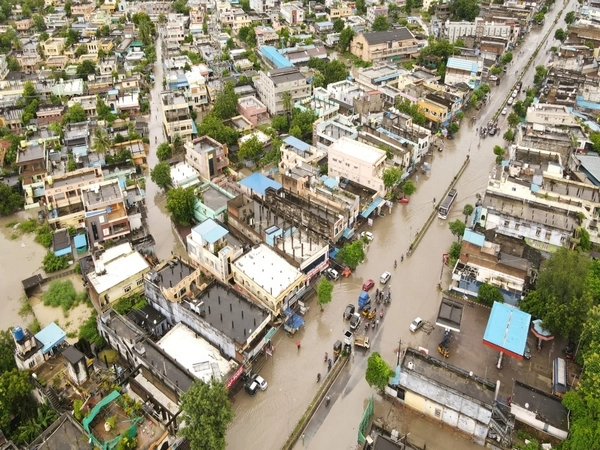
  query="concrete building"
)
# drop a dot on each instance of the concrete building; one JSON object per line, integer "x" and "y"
{"x": 268, "y": 278}
{"x": 210, "y": 246}
{"x": 119, "y": 272}
{"x": 48, "y": 114}
{"x": 358, "y": 162}
{"x": 253, "y": 109}
{"x": 184, "y": 175}
{"x": 264, "y": 35}
{"x": 176, "y": 116}
{"x": 105, "y": 211}
{"x": 295, "y": 152}
{"x": 550, "y": 115}
{"x": 327, "y": 132}
{"x": 207, "y": 156}
{"x": 480, "y": 28}
{"x": 53, "y": 46}
{"x": 376, "y": 10}
{"x": 263, "y": 6}
{"x": 378, "y": 46}
{"x": 271, "y": 86}
{"x": 3, "y": 67}
{"x": 292, "y": 13}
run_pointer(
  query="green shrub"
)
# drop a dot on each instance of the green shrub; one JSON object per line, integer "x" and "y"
{"x": 53, "y": 263}
{"x": 43, "y": 235}
{"x": 89, "y": 331}
{"x": 29, "y": 226}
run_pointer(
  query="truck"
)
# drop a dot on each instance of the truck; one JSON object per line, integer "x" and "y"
{"x": 360, "y": 340}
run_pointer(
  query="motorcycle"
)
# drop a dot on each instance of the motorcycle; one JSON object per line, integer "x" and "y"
{"x": 318, "y": 377}
{"x": 327, "y": 400}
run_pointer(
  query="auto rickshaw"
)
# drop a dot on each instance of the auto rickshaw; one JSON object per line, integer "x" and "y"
{"x": 443, "y": 349}
{"x": 369, "y": 313}
{"x": 337, "y": 348}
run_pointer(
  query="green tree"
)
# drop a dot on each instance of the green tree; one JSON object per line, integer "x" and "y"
{"x": 346, "y": 39}
{"x": 15, "y": 391}
{"x": 207, "y": 412}
{"x": 467, "y": 211}
{"x": 513, "y": 120}
{"x": 570, "y": 17}
{"x": 488, "y": 294}
{"x": 453, "y": 128}
{"x": 454, "y": 253}
{"x": 296, "y": 131}
{"x": 540, "y": 74}
{"x": 405, "y": 106}
{"x": 584, "y": 240}
{"x": 101, "y": 140}
{"x": 338, "y": 25}
{"x": 75, "y": 114}
{"x": 280, "y": 123}
{"x": 161, "y": 175}
{"x": 180, "y": 203}
{"x": 464, "y": 10}
{"x": 457, "y": 228}
{"x": 213, "y": 127}
{"x": 164, "y": 151}
{"x": 52, "y": 263}
{"x": 506, "y": 58}
{"x": 303, "y": 119}
{"x": 408, "y": 188}
{"x": 225, "y": 106}
{"x": 380, "y": 23}
{"x": 378, "y": 372}
{"x": 361, "y": 6}
{"x": 86, "y": 68}
{"x": 560, "y": 34}
{"x": 509, "y": 135}
{"x": 519, "y": 108}
{"x": 251, "y": 149}
{"x": 562, "y": 298}
{"x": 10, "y": 200}
{"x": 181, "y": 7}
{"x": 68, "y": 6}
{"x": 245, "y": 4}
{"x": 324, "y": 291}
{"x": 391, "y": 177}
{"x": 287, "y": 101}
{"x": 7, "y": 351}
{"x": 499, "y": 152}
{"x": 352, "y": 253}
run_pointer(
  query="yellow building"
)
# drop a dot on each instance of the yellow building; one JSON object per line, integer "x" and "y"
{"x": 385, "y": 45}
{"x": 437, "y": 109}
{"x": 53, "y": 46}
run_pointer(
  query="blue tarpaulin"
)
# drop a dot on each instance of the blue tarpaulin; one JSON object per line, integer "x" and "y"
{"x": 333, "y": 252}
{"x": 293, "y": 320}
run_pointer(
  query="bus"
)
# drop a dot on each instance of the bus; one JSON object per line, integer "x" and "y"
{"x": 447, "y": 204}
{"x": 559, "y": 377}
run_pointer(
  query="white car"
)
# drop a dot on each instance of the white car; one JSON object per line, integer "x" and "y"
{"x": 262, "y": 383}
{"x": 367, "y": 234}
{"x": 385, "y": 277}
{"x": 504, "y": 111}
{"x": 416, "y": 324}
{"x": 510, "y": 101}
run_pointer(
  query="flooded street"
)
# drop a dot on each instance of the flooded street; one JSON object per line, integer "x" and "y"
{"x": 270, "y": 416}
{"x": 159, "y": 222}
{"x": 19, "y": 259}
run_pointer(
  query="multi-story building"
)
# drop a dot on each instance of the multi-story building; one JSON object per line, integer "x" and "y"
{"x": 339, "y": 11}
{"x": 358, "y": 162}
{"x": 105, "y": 211}
{"x": 240, "y": 20}
{"x": 253, "y": 109}
{"x": 292, "y": 13}
{"x": 53, "y": 46}
{"x": 272, "y": 86}
{"x": 176, "y": 116}
{"x": 265, "y": 35}
{"x": 83, "y": 9}
{"x": 208, "y": 245}
{"x": 175, "y": 28}
{"x": 461, "y": 70}
{"x": 480, "y": 28}
{"x": 550, "y": 115}
{"x": 23, "y": 25}
{"x": 118, "y": 272}
{"x": 197, "y": 90}
{"x": 436, "y": 108}
{"x": 3, "y": 67}
{"x": 32, "y": 163}
{"x": 268, "y": 278}
{"x": 326, "y": 132}
{"x": 383, "y": 45}
{"x": 263, "y": 6}
{"x": 207, "y": 156}
{"x": 376, "y": 10}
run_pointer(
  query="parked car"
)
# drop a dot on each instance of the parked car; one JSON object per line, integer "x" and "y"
{"x": 493, "y": 78}
{"x": 368, "y": 285}
{"x": 504, "y": 111}
{"x": 385, "y": 277}
{"x": 367, "y": 234}
{"x": 332, "y": 274}
{"x": 355, "y": 321}
{"x": 251, "y": 387}
{"x": 510, "y": 101}
{"x": 262, "y": 383}
{"x": 349, "y": 311}
{"x": 416, "y": 324}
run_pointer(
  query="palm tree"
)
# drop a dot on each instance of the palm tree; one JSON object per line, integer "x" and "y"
{"x": 286, "y": 98}
{"x": 101, "y": 140}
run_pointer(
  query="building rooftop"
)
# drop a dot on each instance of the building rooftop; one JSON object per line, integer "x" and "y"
{"x": 117, "y": 270}
{"x": 462, "y": 64}
{"x": 547, "y": 407}
{"x": 507, "y": 330}
{"x": 276, "y": 58}
{"x": 285, "y": 75}
{"x": 258, "y": 183}
{"x": 64, "y": 434}
{"x": 172, "y": 273}
{"x": 96, "y": 194}
{"x": 72, "y": 355}
{"x": 380, "y": 37}
{"x": 50, "y": 336}
{"x": 261, "y": 265}
{"x": 210, "y": 231}
{"x": 214, "y": 198}
{"x": 358, "y": 150}
{"x": 228, "y": 311}
{"x": 196, "y": 355}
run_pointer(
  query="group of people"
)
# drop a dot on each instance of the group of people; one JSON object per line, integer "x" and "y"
{"x": 381, "y": 296}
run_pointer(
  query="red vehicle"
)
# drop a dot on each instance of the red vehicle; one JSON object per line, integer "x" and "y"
{"x": 368, "y": 285}
{"x": 404, "y": 200}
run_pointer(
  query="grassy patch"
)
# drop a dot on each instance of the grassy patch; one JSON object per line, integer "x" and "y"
{"x": 35, "y": 326}
{"x": 29, "y": 226}
{"x": 11, "y": 224}
{"x": 25, "y": 308}
{"x": 63, "y": 294}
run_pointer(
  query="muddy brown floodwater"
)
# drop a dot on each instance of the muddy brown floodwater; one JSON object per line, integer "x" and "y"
{"x": 19, "y": 259}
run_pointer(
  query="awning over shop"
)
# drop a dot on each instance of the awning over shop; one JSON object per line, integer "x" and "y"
{"x": 374, "y": 204}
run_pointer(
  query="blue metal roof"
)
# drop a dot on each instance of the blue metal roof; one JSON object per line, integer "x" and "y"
{"x": 296, "y": 143}
{"x": 80, "y": 150}
{"x": 210, "y": 231}
{"x": 259, "y": 183}
{"x": 331, "y": 183}
{"x": 374, "y": 204}
{"x": 507, "y": 329}
{"x": 50, "y": 336}
{"x": 275, "y": 57}
{"x": 474, "y": 238}
{"x": 462, "y": 64}
{"x": 590, "y": 165}
{"x": 586, "y": 104}
{"x": 80, "y": 241}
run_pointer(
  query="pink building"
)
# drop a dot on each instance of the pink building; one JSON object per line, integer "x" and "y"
{"x": 253, "y": 110}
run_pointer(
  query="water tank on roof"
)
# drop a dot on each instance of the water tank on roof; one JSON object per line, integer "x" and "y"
{"x": 18, "y": 333}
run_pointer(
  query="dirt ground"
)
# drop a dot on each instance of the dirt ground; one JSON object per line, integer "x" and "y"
{"x": 75, "y": 316}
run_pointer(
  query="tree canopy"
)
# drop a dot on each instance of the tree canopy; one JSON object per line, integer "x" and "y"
{"x": 206, "y": 411}
{"x": 75, "y": 114}
{"x": 225, "y": 106}
{"x": 213, "y": 127}
{"x": 488, "y": 294}
{"x": 352, "y": 254}
{"x": 380, "y": 23}
{"x": 164, "y": 151}
{"x": 180, "y": 203}
{"x": 14, "y": 398}
{"x": 566, "y": 288}
{"x": 161, "y": 174}
{"x": 346, "y": 38}
{"x": 391, "y": 176}
{"x": 324, "y": 291}
{"x": 464, "y": 10}
{"x": 409, "y": 188}
{"x": 7, "y": 351}
{"x": 332, "y": 71}
{"x": 378, "y": 372}
{"x": 251, "y": 149}
{"x": 405, "y": 106}
{"x": 10, "y": 200}
{"x": 457, "y": 228}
